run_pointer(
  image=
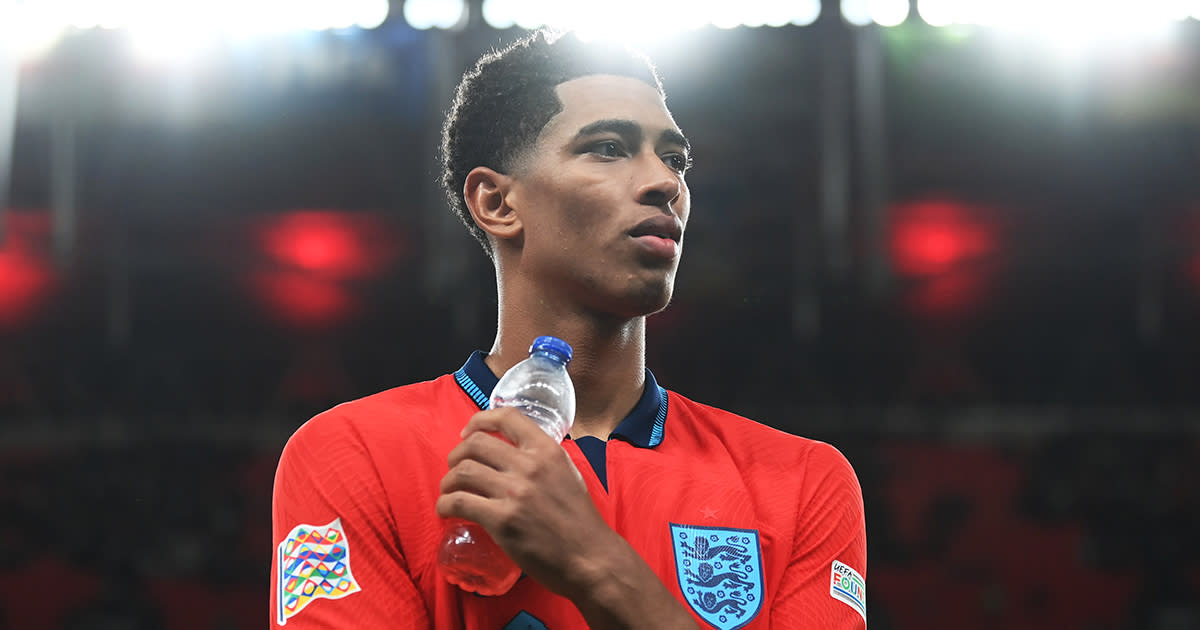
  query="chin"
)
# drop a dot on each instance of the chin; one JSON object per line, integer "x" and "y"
{"x": 649, "y": 300}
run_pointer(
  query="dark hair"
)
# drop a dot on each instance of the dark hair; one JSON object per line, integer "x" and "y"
{"x": 504, "y": 101}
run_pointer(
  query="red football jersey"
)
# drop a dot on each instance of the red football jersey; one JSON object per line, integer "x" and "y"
{"x": 750, "y": 527}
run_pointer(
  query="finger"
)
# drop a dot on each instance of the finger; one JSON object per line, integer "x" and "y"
{"x": 471, "y": 476}
{"x": 466, "y": 505}
{"x": 509, "y": 422}
{"x": 490, "y": 449}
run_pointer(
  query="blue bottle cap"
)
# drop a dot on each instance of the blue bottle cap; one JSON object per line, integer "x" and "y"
{"x": 552, "y": 344}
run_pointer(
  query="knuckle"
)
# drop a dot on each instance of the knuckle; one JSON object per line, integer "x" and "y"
{"x": 472, "y": 441}
{"x": 508, "y": 521}
{"x": 449, "y": 504}
{"x": 522, "y": 492}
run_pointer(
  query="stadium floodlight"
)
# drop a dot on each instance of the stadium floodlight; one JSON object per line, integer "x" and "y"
{"x": 370, "y": 14}
{"x": 499, "y": 14}
{"x": 591, "y": 21}
{"x": 806, "y": 12}
{"x": 442, "y": 14}
{"x": 773, "y": 13}
{"x": 856, "y": 12}
{"x": 888, "y": 12}
{"x": 532, "y": 14}
{"x": 937, "y": 12}
{"x": 656, "y": 18}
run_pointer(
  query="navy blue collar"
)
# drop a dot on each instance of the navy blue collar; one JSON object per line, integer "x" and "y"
{"x": 642, "y": 427}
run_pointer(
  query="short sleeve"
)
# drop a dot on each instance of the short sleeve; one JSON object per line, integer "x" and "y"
{"x": 336, "y": 559}
{"x": 824, "y": 585}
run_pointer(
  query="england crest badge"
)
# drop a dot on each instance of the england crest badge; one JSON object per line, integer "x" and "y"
{"x": 720, "y": 572}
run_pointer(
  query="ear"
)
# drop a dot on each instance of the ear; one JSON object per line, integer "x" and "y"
{"x": 486, "y": 192}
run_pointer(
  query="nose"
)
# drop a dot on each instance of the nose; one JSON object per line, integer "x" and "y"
{"x": 661, "y": 186}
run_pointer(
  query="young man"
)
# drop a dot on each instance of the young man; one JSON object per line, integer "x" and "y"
{"x": 658, "y": 512}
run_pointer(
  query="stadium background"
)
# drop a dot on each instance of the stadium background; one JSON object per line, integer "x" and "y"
{"x": 966, "y": 254}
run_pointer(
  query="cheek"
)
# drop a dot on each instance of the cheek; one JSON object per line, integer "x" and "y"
{"x": 685, "y": 205}
{"x": 582, "y": 211}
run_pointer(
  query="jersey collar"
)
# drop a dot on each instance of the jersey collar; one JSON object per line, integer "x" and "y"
{"x": 642, "y": 427}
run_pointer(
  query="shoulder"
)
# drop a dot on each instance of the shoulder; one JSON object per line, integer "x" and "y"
{"x": 397, "y": 411}
{"x": 751, "y": 439}
{"x": 734, "y": 429}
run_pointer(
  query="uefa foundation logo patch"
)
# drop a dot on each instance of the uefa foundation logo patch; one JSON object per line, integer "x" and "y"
{"x": 720, "y": 572}
{"x": 847, "y": 585}
{"x": 314, "y": 563}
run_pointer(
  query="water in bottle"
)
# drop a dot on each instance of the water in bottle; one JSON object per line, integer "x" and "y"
{"x": 540, "y": 387}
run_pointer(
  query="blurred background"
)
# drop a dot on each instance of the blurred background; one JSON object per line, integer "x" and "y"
{"x": 958, "y": 240}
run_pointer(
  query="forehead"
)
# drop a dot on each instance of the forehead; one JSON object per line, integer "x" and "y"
{"x": 602, "y": 97}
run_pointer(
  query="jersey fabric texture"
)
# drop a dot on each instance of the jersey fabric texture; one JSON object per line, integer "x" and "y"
{"x": 750, "y": 527}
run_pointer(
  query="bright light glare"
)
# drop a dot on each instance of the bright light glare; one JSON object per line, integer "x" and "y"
{"x": 27, "y": 30}
{"x": 889, "y": 12}
{"x": 656, "y": 18}
{"x": 499, "y": 13}
{"x": 773, "y": 13}
{"x": 82, "y": 14}
{"x": 857, "y": 12}
{"x": 806, "y": 12}
{"x": 253, "y": 18}
{"x": 936, "y": 12}
{"x": 608, "y": 21}
{"x": 532, "y": 14}
{"x": 426, "y": 14}
{"x": 1167, "y": 10}
{"x": 726, "y": 15}
{"x": 234, "y": 17}
{"x": 370, "y": 13}
{"x": 1079, "y": 25}
{"x": 166, "y": 35}
{"x": 1056, "y": 16}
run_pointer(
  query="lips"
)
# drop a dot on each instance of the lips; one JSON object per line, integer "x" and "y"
{"x": 662, "y": 226}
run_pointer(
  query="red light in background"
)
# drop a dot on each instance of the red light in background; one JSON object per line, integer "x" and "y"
{"x": 942, "y": 245}
{"x": 300, "y": 300}
{"x": 27, "y": 276}
{"x": 948, "y": 294}
{"x": 934, "y": 237}
{"x": 313, "y": 257}
{"x": 329, "y": 242}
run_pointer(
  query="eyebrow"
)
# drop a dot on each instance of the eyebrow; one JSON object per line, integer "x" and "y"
{"x": 631, "y": 132}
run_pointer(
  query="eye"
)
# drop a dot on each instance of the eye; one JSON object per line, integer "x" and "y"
{"x": 607, "y": 148}
{"x": 678, "y": 162}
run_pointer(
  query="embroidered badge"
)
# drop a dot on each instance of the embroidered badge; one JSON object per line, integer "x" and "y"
{"x": 314, "y": 563}
{"x": 720, "y": 572}
{"x": 848, "y": 585}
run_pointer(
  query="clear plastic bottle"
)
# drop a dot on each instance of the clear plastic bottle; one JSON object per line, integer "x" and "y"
{"x": 540, "y": 387}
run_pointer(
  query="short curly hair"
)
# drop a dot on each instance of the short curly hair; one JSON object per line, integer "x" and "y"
{"x": 504, "y": 101}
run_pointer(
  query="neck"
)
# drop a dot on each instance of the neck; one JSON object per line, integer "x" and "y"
{"x": 608, "y": 366}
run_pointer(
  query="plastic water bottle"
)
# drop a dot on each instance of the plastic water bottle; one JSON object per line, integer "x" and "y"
{"x": 540, "y": 387}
